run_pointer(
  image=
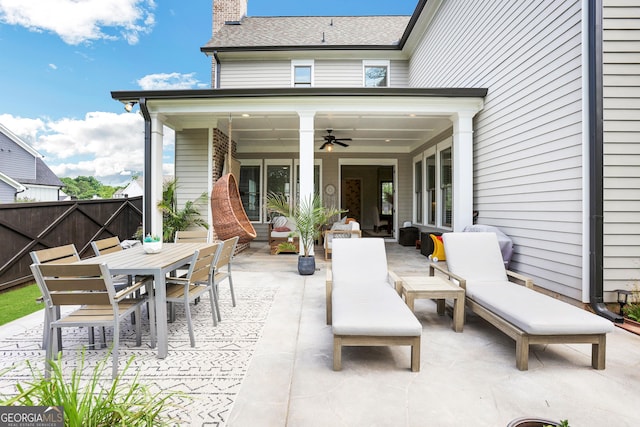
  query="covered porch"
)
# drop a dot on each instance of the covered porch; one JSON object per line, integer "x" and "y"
{"x": 285, "y": 128}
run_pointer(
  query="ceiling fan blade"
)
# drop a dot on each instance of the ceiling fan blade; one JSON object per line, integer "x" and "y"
{"x": 341, "y": 143}
{"x": 324, "y": 145}
{"x": 343, "y": 139}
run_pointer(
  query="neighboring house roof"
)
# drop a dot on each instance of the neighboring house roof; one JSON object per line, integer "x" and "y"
{"x": 44, "y": 176}
{"x": 12, "y": 136}
{"x": 10, "y": 181}
{"x": 310, "y": 31}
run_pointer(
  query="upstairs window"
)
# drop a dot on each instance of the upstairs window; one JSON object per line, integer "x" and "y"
{"x": 376, "y": 73}
{"x": 302, "y": 73}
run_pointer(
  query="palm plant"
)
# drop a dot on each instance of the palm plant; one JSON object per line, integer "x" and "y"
{"x": 309, "y": 214}
{"x": 175, "y": 219}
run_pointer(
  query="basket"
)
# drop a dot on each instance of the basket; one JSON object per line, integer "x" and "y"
{"x": 228, "y": 215}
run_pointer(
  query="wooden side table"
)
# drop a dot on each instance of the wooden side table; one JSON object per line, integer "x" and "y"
{"x": 438, "y": 288}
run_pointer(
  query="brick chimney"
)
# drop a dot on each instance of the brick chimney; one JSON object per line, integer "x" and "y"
{"x": 227, "y": 10}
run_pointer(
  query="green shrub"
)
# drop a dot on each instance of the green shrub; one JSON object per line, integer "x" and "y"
{"x": 632, "y": 311}
{"x": 87, "y": 402}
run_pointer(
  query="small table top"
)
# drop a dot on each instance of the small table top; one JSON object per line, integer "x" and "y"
{"x": 428, "y": 283}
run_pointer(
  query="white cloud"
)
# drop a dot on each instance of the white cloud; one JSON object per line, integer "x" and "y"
{"x": 53, "y": 66}
{"x": 164, "y": 81}
{"x": 82, "y": 21}
{"x": 108, "y": 146}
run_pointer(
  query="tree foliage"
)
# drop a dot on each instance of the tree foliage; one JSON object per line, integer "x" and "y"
{"x": 86, "y": 187}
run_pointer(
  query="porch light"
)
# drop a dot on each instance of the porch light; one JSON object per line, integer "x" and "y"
{"x": 129, "y": 106}
{"x": 330, "y": 147}
{"x": 623, "y": 298}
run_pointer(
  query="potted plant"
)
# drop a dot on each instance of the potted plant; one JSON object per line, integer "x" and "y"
{"x": 309, "y": 215}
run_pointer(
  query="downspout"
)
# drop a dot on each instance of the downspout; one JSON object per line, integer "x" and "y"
{"x": 218, "y": 66}
{"x": 147, "y": 206}
{"x": 596, "y": 164}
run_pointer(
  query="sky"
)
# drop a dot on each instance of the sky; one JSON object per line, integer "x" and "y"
{"x": 60, "y": 60}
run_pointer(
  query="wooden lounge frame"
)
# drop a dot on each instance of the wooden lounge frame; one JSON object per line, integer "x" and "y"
{"x": 340, "y": 341}
{"x": 523, "y": 339}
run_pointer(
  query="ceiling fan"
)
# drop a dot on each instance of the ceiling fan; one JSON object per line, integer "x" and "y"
{"x": 330, "y": 139}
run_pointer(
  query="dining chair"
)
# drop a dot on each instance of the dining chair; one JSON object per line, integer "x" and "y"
{"x": 57, "y": 255}
{"x": 192, "y": 236}
{"x": 223, "y": 267}
{"x": 106, "y": 246}
{"x": 197, "y": 282}
{"x": 91, "y": 287}
{"x": 111, "y": 245}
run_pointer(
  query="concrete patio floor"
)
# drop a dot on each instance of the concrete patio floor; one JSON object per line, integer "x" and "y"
{"x": 269, "y": 363}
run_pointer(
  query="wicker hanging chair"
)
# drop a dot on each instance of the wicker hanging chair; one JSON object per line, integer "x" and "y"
{"x": 228, "y": 214}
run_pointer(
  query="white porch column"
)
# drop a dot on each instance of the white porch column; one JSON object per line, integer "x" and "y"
{"x": 462, "y": 170}
{"x": 306, "y": 153}
{"x": 306, "y": 156}
{"x": 156, "y": 174}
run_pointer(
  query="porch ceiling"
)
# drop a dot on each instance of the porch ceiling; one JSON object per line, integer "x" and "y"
{"x": 378, "y": 120}
{"x": 369, "y": 132}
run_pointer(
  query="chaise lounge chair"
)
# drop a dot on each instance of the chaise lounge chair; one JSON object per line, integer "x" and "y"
{"x": 363, "y": 304}
{"x": 474, "y": 260}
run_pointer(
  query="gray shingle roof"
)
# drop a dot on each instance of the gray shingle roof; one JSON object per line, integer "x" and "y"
{"x": 307, "y": 31}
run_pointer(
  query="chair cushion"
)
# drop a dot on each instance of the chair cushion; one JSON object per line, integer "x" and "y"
{"x": 358, "y": 261}
{"x": 373, "y": 310}
{"x": 535, "y": 313}
{"x": 474, "y": 256}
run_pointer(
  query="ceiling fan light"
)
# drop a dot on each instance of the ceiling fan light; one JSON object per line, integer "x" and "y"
{"x": 330, "y": 148}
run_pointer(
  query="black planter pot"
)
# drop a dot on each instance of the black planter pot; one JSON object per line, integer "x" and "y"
{"x": 306, "y": 265}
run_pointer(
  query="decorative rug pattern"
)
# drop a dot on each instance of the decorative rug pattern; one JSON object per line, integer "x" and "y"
{"x": 210, "y": 373}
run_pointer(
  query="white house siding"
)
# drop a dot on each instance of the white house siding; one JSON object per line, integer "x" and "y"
{"x": 327, "y": 73}
{"x": 527, "y": 140}
{"x": 15, "y": 161}
{"x": 621, "y": 51}
{"x": 40, "y": 194}
{"x": 6, "y": 193}
{"x": 191, "y": 166}
{"x": 399, "y": 74}
{"x": 338, "y": 73}
{"x": 252, "y": 74}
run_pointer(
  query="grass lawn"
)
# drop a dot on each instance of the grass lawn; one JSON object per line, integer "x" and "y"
{"x": 19, "y": 302}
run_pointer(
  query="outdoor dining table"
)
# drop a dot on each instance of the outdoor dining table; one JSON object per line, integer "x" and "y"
{"x": 136, "y": 262}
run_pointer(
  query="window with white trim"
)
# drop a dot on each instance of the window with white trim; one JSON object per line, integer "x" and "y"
{"x": 302, "y": 73}
{"x": 433, "y": 186}
{"x": 376, "y": 73}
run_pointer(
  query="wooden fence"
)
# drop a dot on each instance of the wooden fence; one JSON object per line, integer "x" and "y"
{"x": 26, "y": 227}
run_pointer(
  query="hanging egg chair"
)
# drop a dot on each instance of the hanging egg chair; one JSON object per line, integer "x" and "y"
{"x": 228, "y": 215}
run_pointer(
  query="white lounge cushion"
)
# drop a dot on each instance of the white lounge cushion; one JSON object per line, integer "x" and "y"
{"x": 374, "y": 310}
{"x": 535, "y": 313}
{"x": 358, "y": 261}
{"x": 474, "y": 256}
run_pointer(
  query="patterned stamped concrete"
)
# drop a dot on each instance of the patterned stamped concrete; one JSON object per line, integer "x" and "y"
{"x": 210, "y": 373}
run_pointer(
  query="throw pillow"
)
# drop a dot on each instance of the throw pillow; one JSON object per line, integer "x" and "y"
{"x": 280, "y": 229}
{"x": 279, "y": 222}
